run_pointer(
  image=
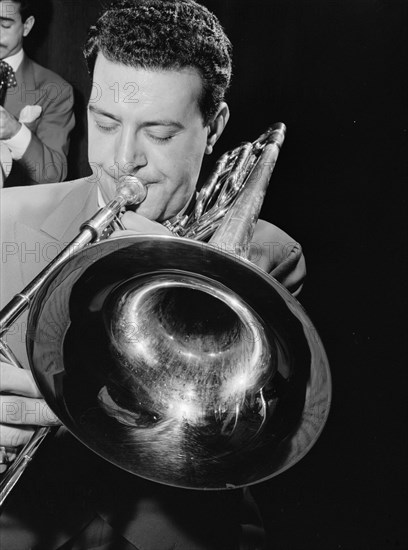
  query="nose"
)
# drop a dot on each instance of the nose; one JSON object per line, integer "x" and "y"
{"x": 130, "y": 153}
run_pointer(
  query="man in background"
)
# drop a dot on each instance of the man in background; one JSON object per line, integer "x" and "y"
{"x": 36, "y": 105}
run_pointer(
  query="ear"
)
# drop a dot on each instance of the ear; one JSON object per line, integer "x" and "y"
{"x": 28, "y": 25}
{"x": 216, "y": 127}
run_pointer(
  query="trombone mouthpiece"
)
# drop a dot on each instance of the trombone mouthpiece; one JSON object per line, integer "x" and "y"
{"x": 132, "y": 189}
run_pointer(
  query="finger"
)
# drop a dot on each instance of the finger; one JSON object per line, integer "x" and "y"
{"x": 138, "y": 223}
{"x": 15, "y": 409}
{"x": 118, "y": 233}
{"x": 7, "y": 456}
{"x": 17, "y": 381}
{"x": 13, "y": 437}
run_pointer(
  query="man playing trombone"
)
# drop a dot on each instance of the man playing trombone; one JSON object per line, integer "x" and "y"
{"x": 161, "y": 69}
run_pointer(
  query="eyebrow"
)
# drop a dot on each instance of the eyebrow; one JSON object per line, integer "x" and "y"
{"x": 159, "y": 122}
{"x": 99, "y": 111}
{"x": 2, "y": 18}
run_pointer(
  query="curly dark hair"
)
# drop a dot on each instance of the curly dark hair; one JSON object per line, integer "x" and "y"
{"x": 165, "y": 34}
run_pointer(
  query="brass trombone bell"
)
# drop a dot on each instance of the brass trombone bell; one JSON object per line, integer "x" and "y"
{"x": 178, "y": 362}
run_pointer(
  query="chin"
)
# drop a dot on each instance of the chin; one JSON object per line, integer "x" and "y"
{"x": 147, "y": 213}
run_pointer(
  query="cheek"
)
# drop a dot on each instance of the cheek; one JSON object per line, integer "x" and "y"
{"x": 6, "y": 39}
{"x": 91, "y": 141}
{"x": 98, "y": 147}
{"x": 188, "y": 159}
{"x": 14, "y": 37}
{"x": 183, "y": 174}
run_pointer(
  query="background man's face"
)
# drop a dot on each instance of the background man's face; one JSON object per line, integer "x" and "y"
{"x": 147, "y": 123}
{"x": 12, "y": 28}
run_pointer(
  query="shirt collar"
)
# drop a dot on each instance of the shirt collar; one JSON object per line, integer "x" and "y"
{"x": 15, "y": 60}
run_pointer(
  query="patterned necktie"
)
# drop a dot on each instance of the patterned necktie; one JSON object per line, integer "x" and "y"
{"x": 7, "y": 79}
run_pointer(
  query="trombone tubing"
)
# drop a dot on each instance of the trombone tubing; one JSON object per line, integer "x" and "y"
{"x": 238, "y": 226}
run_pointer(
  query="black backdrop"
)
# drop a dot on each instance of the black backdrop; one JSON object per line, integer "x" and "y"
{"x": 335, "y": 72}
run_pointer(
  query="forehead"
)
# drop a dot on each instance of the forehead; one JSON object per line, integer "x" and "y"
{"x": 9, "y": 9}
{"x": 122, "y": 86}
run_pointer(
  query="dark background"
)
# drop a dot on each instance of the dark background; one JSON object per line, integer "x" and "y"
{"x": 335, "y": 73}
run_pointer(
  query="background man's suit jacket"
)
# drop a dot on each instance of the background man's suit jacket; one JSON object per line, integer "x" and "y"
{"x": 45, "y": 160}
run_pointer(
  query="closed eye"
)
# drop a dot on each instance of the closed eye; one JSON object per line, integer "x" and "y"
{"x": 106, "y": 129}
{"x": 159, "y": 139}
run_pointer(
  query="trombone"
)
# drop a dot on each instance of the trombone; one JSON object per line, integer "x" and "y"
{"x": 227, "y": 384}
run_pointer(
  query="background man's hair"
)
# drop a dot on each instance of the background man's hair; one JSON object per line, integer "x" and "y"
{"x": 26, "y": 7}
{"x": 165, "y": 34}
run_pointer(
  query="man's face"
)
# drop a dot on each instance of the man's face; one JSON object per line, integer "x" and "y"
{"x": 12, "y": 28}
{"x": 147, "y": 123}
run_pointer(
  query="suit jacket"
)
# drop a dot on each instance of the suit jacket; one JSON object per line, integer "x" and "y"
{"x": 45, "y": 160}
{"x": 67, "y": 484}
{"x": 36, "y": 224}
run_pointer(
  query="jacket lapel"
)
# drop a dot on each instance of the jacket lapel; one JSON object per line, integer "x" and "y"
{"x": 25, "y": 93}
{"x": 63, "y": 224}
